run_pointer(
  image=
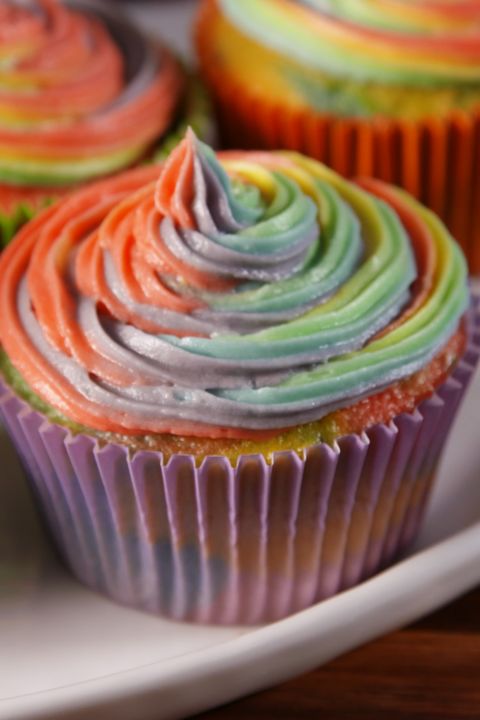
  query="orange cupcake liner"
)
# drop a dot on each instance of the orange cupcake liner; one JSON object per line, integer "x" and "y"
{"x": 437, "y": 160}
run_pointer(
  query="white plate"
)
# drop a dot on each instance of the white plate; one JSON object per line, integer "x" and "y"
{"x": 67, "y": 653}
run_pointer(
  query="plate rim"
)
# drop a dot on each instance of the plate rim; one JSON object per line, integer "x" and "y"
{"x": 449, "y": 568}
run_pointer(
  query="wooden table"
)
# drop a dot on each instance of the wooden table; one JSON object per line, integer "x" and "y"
{"x": 430, "y": 670}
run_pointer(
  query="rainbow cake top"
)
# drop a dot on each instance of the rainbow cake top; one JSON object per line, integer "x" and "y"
{"x": 82, "y": 93}
{"x": 226, "y": 296}
{"x": 405, "y": 42}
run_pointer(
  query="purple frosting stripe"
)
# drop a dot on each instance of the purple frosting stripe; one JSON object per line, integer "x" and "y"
{"x": 244, "y": 544}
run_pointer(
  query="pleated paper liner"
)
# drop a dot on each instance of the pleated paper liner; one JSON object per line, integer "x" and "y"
{"x": 245, "y": 544}
{"x": 436, "y": 159}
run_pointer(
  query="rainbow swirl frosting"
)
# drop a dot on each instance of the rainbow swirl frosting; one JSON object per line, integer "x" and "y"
{"x": 82, "y": 93}
{"x": 224, "y": 297}
{"x": 406, "y": 42}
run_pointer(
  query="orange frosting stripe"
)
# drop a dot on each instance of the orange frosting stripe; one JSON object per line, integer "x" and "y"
{"x": 174, "y": 194}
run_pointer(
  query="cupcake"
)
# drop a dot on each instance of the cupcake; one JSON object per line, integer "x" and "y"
{"x": 231, "y": 395}
{"x": 83, "y": 94}
{"x": 389, "y": 89}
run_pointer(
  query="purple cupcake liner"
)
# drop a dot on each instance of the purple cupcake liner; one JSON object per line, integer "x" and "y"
{"x": 245, "y": 544}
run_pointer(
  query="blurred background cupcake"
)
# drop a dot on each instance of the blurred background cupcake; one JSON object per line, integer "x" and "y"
{"x": 233, "y": 392}
{"x": 389, "y": 88}
{"x": 83, "y": 94}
